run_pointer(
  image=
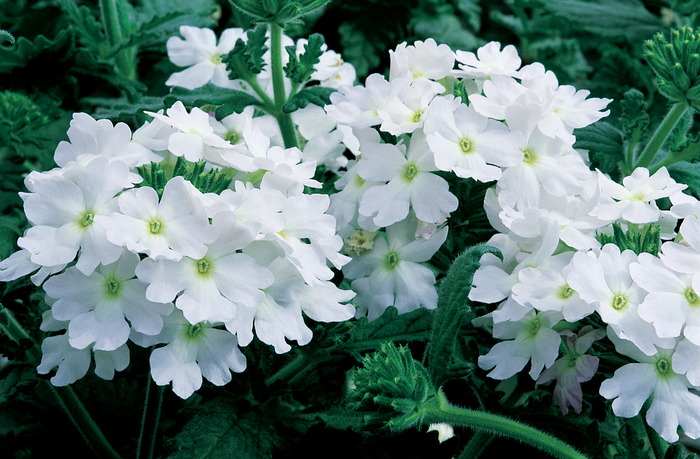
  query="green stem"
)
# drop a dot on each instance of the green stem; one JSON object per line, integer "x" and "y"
{"x": 110, "y": 19}
{"x": 476, "y": 445}
{"x": 16, "y": 332}
{"x": 150, "y": 420}
{"x": 283, "y": 119}
{"x": 658, "y": 446}
{"x": 71, "y": 404}
{"x": 689, "y": 153}
{"x": 439, "y": 410}
{"x": 83, "y": 422}
{"x": 661, "y": 134}
{"x": 290, "y": 369}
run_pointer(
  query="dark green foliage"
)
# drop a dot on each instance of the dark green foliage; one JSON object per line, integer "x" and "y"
{"x": 634, "y": 118}
{"x": 453, "y": 309}
{"x": 605, "y": 147}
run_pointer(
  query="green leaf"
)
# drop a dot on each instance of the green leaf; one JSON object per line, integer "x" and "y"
{"x": 604, "y": 144}
{"x": 358, "y": 50}
{"x": 299, "y": 70}
{"x": 26, "y": 50}
{"x": 221, "y": 430}
{"x": 364, "y": 335}
{"x": 89, "y": 30}
{"x": 236, "y": 103}
{"x": 634, "y": 118}
{"x": 152, "y": 31}
{"x": 453, "y": 308}
{"x": 688, "y": 173}
{"x": 317, "y": 95}
{"x": 472, "y": 10}
{"x": 444, "y": 28}
{"x": 255, "y": 48}
{"x": 608, "y": 18}
{"x": 339, "y": 418}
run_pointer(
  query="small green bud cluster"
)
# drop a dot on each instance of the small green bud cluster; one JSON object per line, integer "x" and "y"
{"x": 392, "y": 386}
{"x": 646, "y": 239}
{"x": 20, "y": 118}
{"x": 676, "y": 65}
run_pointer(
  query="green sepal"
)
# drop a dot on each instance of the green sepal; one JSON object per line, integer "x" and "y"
{"x": 643, "y": 240}
{"x": 299, "y": 69}
{"x": 153, "y": 177}
{"x": 317, "y": 95}
{"x": 459, "y": 90}
{"x": 453, "y": 308}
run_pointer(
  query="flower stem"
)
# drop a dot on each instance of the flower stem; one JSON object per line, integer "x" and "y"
{"x": 290, "y": 369}
{"x": 150, "y": 420}
{"x": 283, "y": 119}
{"x": 661, "y": 134}
{"x": 439, "y": 410}
{"x": 16, "y": 332}
{"x": 83, "y": 422}
{"x": 658, "y": 446}
{"x": 110, "y": 19}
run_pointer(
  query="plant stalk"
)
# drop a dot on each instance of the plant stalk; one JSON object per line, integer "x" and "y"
{"x": 150, "y": 420}
{"x": 110, "y": 20}
{"x": 439, "y": 410}
{"x": 661, "y": 134}
{"x": 283, "y": 119}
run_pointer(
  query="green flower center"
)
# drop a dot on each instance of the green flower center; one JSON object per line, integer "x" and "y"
{"x": 417, "y": 115}
{"x": 155, "y": 226}
{"x": 112, "y": 287}
{"x": 566, "y": 292}
{"x": 692, "y": 297}
{"x": 529, "y": 156}
{"x": 391, "y": 261}
{"x": 535, "y": 326}
{"x": 232, "y": 136}
{"x": 87, "y": 219}
{"x": 410, "y": 172}
{"x": 619, "y": 302}
{"x": 663, "y": 366}
{"x": 194, "y": 330}
{"x": 203, "y": 266}
{"x": 465, "y": 145}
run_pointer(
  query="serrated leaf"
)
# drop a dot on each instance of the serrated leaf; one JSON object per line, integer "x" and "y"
{"x": 608, "y": 18}
{"x": 390, "y": 326}
{"x": 219, "y": 430}
{"x": 338, "y": 418}
{"x": 90, "y": 31}
{"x": 24, "y": 50}
{"x": 604, "y": 144}
{"x": 317, "y": 95}
{"x": 238, "y": 101}
{"x": 299, "y": 70}
{"x": 255, "y": 48}
{"x": 121, "y": 110}
{"x": 634, "y": 118}
{"x": 453, "y": 308}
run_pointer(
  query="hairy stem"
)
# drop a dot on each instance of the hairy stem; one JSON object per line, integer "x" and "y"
{"x": 439, "y": 410}
{"x": 661, "y": 134}
{"x": 149, "y": 421}
{"x": 283, "y": 119}
{"x": 110, "y": 19}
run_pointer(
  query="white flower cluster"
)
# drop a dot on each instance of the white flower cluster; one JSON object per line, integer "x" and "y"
{"x": 516, "y": 128}
{"x": 193, "y": 272}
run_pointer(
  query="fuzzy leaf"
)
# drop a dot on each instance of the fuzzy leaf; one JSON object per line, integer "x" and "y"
{"x": 339, "y": 418}
{"x": 608, "y": 18}
{"x": 390, "y": 326}
{"x": 220, "y": 430}
{"x": 90, "y": 31}
{"x": 634, "y": 118}
{"x": 688, "y": 173}
{"x": 604, "y": 144}
{"x": 317, "y": 95}
{"x": 453, "y": 308}
{"x": 24, "y": 50}
{"x": 299, "y": 69}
